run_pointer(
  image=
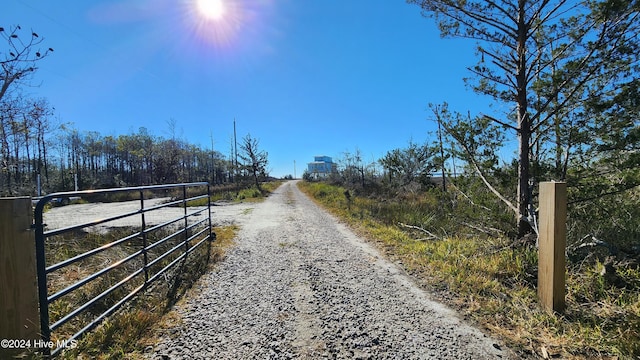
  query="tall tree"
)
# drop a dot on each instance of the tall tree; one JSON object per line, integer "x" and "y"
{"x": 40, "y": 112}
{"x": 520, "y": 42}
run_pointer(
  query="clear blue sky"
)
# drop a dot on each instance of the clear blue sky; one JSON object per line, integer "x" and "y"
{"x": 305, "y": 77}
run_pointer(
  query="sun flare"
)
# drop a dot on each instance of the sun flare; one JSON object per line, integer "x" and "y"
{"x": 222, "y": 24}
{"x": 211, "y": 9}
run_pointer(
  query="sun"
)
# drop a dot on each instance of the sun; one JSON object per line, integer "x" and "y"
{"x": 220, "y": 22}
{"x": 211, "y": 9}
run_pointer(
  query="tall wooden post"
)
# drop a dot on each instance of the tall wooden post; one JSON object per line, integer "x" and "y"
{"x": 551, "y": 255}
{"x": 19, "y": 317}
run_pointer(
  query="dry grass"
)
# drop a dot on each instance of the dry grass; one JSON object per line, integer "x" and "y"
{"x": 494, "y": 285}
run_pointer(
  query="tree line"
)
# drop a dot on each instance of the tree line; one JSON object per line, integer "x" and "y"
{"x": 39, "y": 154}
{"x": 60, "y": 158}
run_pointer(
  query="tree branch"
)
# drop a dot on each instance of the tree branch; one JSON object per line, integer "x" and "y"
{"x": 509, "y": 126}
{"x": 473, "y": 161}
{"x": 413, "y": 227}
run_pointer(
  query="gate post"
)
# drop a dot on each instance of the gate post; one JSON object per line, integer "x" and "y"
{"x": 19, "y": 317}
{"x": 552, "y": 245}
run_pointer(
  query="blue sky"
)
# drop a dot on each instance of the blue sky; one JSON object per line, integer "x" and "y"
{"x": 305, "y": 77}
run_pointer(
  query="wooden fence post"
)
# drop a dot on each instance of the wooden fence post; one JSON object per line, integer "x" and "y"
{"x": 19, "y": 317}
{"x": 552, "y": 245}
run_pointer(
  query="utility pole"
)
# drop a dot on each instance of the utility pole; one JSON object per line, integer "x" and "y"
{"x": 235, "y": 151}
{"x": 235, "y": 144}
{"x": 444, "y": 181}
{"x": 213, "y": 163}
{"x": 294, "y": 169}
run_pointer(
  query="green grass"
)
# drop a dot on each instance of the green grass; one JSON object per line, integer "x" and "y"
{"x": 249, "y": 194}
{"x": 494, "y": 284}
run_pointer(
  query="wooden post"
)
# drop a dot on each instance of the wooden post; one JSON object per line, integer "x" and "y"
{"x": 19, "y": 317}
{"x": 551, "y": 255}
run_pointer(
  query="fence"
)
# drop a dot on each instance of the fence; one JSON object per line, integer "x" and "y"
{"x": 132, "y": 256}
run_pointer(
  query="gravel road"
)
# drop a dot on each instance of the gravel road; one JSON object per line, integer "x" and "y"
{"x": 300, "y": 285}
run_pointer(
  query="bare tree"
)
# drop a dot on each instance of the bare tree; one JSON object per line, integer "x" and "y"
{"x": 255, "y": 159}
{"x": 18, "y": 61}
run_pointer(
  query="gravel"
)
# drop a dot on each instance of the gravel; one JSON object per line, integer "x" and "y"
{"x": 300, "y": 285}
{"x": 70, "y": 215}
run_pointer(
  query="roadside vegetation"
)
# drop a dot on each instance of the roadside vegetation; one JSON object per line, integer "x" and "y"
{"x": 489, "y": 278}
{"x": 235, "y": 193}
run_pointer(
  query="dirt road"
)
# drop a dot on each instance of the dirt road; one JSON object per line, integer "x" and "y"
{"x": 299, "y": 285}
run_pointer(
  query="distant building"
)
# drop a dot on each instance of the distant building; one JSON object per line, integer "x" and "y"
{"x": 321, "y": 166}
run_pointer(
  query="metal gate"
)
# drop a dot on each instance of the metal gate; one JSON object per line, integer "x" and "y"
{"x": 115, "y": 263}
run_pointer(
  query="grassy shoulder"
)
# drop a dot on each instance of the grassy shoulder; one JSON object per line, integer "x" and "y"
{"x": 493, "y": 283}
